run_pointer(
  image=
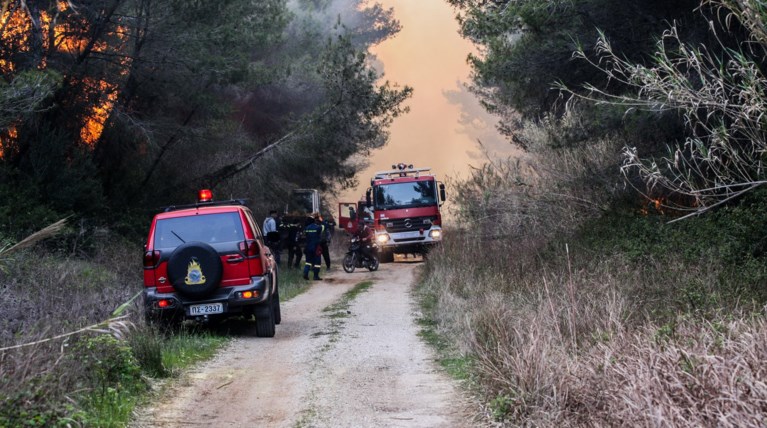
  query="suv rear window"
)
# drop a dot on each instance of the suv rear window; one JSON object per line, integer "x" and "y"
{"x": 210, "y": 228}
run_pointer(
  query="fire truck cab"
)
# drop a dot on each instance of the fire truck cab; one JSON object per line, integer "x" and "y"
{"x": 403, "y": 207}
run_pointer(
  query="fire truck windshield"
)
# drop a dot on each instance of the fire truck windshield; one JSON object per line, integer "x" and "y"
{"x": 405, "y": 195}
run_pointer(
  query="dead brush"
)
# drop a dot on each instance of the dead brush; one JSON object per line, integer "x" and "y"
{"x": 526, "y": 332}
{"x": 47, "y": 298}
{"x": 549, "y": 330}
{"x": 523, "y": 203}
{"x": 706, "y": 374}
{"x": 519, "y": 361}
{"x": 527, "y": 344}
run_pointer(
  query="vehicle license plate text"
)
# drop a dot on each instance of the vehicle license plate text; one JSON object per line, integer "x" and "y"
{"x": 206, "y": 309}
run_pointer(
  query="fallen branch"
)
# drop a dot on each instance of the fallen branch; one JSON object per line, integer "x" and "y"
{"x": 98, "y": 328}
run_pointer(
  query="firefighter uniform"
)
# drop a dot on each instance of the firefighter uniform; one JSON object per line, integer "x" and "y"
{"x": 327, "y": 235}
{"x": 313, "y": 250}
{"x": 295, "y": 236}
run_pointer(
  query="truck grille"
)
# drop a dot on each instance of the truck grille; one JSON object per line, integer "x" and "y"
{"x": 408, "y": 224}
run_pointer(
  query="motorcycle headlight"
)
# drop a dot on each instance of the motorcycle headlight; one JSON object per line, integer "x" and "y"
{"x": 383, "y": 238}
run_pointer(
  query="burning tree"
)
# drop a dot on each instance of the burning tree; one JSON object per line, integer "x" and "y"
{"x": 84, "y": 43}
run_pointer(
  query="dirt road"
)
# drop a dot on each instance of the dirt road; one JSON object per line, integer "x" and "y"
{"x": 334, "y": 362}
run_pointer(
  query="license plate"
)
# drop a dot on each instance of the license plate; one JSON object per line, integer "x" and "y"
{"x": 206, "y": 309}
{"x": 405, "y": 235}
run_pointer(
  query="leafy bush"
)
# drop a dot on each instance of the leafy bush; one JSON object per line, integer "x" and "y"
{"x": 107, "y": 361}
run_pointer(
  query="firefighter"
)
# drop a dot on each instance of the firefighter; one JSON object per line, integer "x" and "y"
{"x": 313, "y": 250}
{"x": 327, "y": 235}
{"x": 295, "y": 235}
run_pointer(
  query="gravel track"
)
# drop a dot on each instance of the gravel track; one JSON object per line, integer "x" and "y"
{"x": 359, "y": 364}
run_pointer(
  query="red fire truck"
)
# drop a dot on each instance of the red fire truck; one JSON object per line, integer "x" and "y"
{"x": 403, "y": 207}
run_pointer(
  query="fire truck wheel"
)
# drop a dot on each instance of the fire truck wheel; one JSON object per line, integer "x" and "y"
{"x": 386, "y": 256}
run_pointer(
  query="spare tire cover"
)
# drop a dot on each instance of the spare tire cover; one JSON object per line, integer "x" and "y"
{"x": 195, "y": 269}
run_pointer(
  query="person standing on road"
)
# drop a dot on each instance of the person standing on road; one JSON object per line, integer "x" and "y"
{"x": 313, "y": 250}
{"x": 327, "y": 236}
{"x": 272, "y": 235}
{"x": 295, "y": 234}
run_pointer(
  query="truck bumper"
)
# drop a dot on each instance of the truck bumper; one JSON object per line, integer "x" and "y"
{"x": 409, "y": 242}
{"x": 230, "y": 297}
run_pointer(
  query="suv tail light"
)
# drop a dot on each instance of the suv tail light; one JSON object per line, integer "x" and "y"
{"x": 249, "y": 248}
{"x": 151, "y": 259}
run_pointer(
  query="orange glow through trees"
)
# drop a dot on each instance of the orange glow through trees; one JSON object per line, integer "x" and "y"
{"x": 62, "y": 34}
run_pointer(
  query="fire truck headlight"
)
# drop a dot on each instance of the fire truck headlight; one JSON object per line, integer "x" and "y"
{"x": 435, "y": 234}
{"x": 383, "y": 238}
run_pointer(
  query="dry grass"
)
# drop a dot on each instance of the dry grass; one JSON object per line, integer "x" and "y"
{"x": 43, "y": 295}
{"x": 546, "y": 193}
{"x": 706, "y": 374}
{"x": 556, "y": 343}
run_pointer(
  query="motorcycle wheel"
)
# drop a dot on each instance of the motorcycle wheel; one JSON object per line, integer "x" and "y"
{"x": 373, "y": 264}
{"x": 349, "y": 263}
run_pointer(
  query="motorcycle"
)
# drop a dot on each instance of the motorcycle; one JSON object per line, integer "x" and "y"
{"x": 355, "y": 258}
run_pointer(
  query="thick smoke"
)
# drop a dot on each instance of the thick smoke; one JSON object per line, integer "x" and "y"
{"x": 479, "y": 125}
{"x": 368, "y": 22}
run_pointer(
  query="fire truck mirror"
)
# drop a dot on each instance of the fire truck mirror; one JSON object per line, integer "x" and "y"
{"x": 368, "y": 197}
{"x": 442, "y": 194}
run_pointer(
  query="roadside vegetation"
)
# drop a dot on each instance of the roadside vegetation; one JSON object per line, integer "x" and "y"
{"x": 570, "y": 296}
{"x": 629, "y": 321}
{"x": 75, "y": 348}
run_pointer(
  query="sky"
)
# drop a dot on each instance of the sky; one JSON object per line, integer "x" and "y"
{"x": 445, "y": 120}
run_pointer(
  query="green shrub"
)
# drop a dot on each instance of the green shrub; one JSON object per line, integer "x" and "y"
{"x": 32, "y": 407}
{"x": 107, "y": 362}
{"x": 500, "y": 406}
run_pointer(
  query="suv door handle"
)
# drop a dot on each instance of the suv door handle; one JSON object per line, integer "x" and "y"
{"x": 234, "y": 259}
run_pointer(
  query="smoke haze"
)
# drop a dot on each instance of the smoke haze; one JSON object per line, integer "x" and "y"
{"x": 446, "y": 120}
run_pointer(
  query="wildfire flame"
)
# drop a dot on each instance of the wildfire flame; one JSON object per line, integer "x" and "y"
{"x": 7, "y": 137}
{"x": 657, "y": 205}
{"x": 94, "y": 122}
{"x": 17, "y": 31}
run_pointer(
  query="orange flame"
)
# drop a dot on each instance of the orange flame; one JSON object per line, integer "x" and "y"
{"x": 96, "y": 119}
{"x": 656, "y": 204}
{"x": 10, "y": 135}
{"x": 65, "y": 39}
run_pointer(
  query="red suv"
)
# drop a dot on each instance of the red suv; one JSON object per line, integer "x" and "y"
{"x": 209, "y": 261}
